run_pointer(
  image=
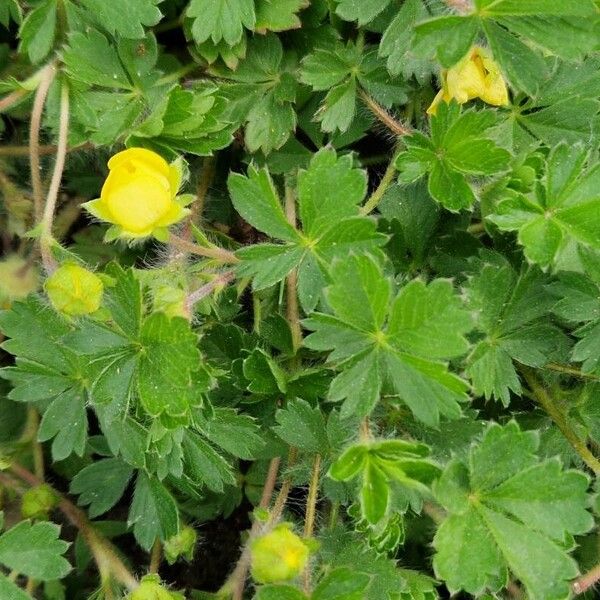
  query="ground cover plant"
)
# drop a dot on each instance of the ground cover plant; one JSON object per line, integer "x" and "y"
{"x": 299, "y": 299}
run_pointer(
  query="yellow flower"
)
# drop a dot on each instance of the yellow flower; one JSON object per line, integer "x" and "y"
{"x": 74, "y": 290}
{"x": 139, "y": 196}
{"x": 477, "y": 75}
{"x": 279, "y": 555}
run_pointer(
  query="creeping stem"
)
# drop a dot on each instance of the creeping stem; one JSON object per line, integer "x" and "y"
{"x": 556, "y": 414}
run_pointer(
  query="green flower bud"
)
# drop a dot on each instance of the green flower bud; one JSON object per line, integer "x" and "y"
{"x": 279, "y": 555}
{"x": 150, "y": 588}
{"x": 74, "y": 290}
{"x": 38, "y": 501}
{"x": 182, "y": 544}
{"x": 170, "y": 300}
{"x": 17, "y": 279}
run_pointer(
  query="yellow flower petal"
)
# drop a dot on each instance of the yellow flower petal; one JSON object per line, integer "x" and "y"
{"x": 138, "y": 204}
{"x": 139, "y": 156}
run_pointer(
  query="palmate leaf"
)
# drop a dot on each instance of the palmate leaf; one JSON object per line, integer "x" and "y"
{"x": 339, "y": 70}
{"x": 124, "y": 17}
{"x": 46, "y": 370}
{"x": 565, "y": 210}
{"x": 379, "y": 464}
{"x": 508, "y": 511}
{"x": 578, "y": 302}
{"x": 512, "y": 312}
{"x": 155, "y": 358}
{"x": 34, "y": 550}
{"x": 456, "y": 151}
{"x": 261, "y": 93}
{"x": 378, "y": 339}
{"x": 329, "y": 193}
{"x": 513, "y": 29}
{"x": 221, "y": 20}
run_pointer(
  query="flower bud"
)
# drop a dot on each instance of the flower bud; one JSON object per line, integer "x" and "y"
{"x": 17, "y": 279}
{"x": 150, "y": 588}
{"x": 182, "y": 544}
{"x": 279, "y": 555}
{"x": 74, "y": 290}
{"x": 139, "y": 196}
{"x": 38, "y": 501}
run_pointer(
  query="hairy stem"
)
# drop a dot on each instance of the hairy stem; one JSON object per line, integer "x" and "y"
{"x": 104, "y": 554}
{"x": 292, "y": 309}
{"x": 567, "y": 370}
{"x": 33, "y": 423}
{"x": 560, "y": 420}
{"x": 383, "y": 115}
{"x": 588, "y": 580}
{"x": 237, "y": 580}
{"x": 461, "y": 6}
{"x": 46, "y": 78}
{"x": 59, "y": 165}
{"x": 207, "y": 289}
{"x": 311, "y": 511}
{"x": 220, "y": 254}
{"x": 384, "y": 184}
{"x": 311, "y": 500}
{"x": 155, "y": 557}
{"x": 9, "y": 100}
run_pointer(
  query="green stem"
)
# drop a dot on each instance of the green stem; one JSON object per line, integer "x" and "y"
{"x": 384, "y": 184}
{"x": 383, "y": 115}
{"x": 47, "y": 75}
{"x": 567, "y": 370}
{"x": 560, "y": 420}
{"x": 588, "y": 580}
{"x": 46, "y": 238}
{"x": 311, "y": 511}
{"x": 293, "y": 311}
{"x": 155, "y": 557}
{"x": 220, "y": 254}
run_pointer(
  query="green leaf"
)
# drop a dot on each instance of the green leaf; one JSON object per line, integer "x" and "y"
{"x": 368, "y": 351}
{"x": 204, "y": 465}
{"x": 456, "y": 150}
{"x": 341, "y": 584}
{"x": 10, "y": 590}
{"x": 512, "y": 311}
{"x": 236, "y": 433}
{"x": 91, "y": 59}
{"x": 101, "y": 484}
{"x": 302, "y": 426}
{"x": 329, "y": 192}
{"x": 153, "y": 513}
{"x": 398, "y": 39}
{"x": 361, "y": 11}
{"x": 221, "y": 19}
{"x": 34, "y": 550}
{"x": 10, "y": 11}
{"x": 256, "y": 199}
{"x": 550, "y": 219}
{"x": 125, "y": 17}
{"x": 38, "y": 31}
{"x": 279, "y": 15}
{"x": 65, "y": 420}
{"x": 165, "y": 380}
{"x": 279, "y": 592}
{"x": 342, "y": 548}
{"x": 507, "y": 510}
